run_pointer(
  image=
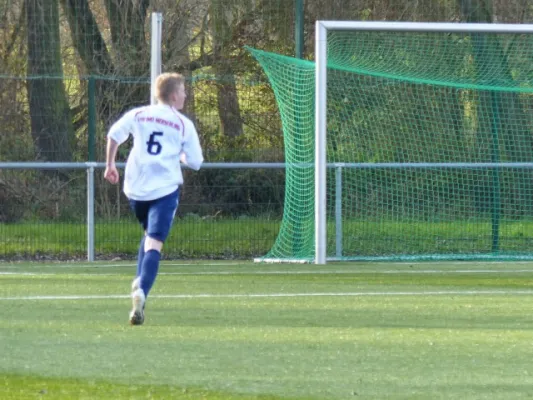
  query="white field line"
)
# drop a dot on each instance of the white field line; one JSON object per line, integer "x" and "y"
{"x": 234, "y": 264}
{"x": 352, "y": 272}
{"x": 96, "y": 266}
{"x": 278, "y": 295}
{"x": 301, "y": 272}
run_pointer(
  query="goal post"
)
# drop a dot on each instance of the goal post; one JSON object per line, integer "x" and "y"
{"x": 421, "y": 139}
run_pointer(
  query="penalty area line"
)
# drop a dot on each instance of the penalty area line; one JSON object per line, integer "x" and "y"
{"x": 277, "y": 295}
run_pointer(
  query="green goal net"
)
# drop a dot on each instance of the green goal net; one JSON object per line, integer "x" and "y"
{"x": 429, "y": 146}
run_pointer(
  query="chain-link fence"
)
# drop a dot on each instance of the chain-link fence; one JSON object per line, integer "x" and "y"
{"x": 69, "y": 69}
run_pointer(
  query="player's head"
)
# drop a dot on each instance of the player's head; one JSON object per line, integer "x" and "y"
{"x": 170, "y": 89}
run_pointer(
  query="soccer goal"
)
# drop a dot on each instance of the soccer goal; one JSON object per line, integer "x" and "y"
{"x": 407, "y": 141}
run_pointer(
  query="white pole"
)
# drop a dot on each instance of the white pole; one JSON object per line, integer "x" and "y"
{"x": 338, "y": 211}
{"x": 320, "y": 141}
{"x": 447, "y": 27}
{"x": 155, "y": 55}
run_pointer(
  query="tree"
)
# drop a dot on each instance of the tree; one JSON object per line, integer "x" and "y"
{"x": 228, "y": 101}
{"x": 129, "y": 57}
{"x": 183, "y": 24}
{"x": 51, "y": 123}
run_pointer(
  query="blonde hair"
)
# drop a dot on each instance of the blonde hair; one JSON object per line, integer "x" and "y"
{"x": 165, "y": 84}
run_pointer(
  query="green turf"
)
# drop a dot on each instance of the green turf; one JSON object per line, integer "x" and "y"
{"x": 190, "y": 238}
{"x": 29, "y": 387}
{"x": 246, "y": 238}
{"x": 243, "y": 331}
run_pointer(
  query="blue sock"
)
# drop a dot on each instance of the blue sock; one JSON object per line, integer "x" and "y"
{"x": 140, "y": 256}
{"x": 150, "y": 266}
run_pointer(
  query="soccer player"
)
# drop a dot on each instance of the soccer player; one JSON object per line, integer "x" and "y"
{"x": 162, "y": 137}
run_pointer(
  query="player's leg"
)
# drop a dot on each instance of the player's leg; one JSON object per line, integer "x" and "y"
{"x": 159, "y": 221}
{"x": 140, "y": 209}
{"x": 140, "y": 255}
{"x": 160, "y": 218}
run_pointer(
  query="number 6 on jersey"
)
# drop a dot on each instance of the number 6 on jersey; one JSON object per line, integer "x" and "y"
{"x": 154, "y": 147}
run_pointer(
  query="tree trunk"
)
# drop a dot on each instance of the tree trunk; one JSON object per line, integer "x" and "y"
{"x": 127, "y": 21}
{"x": 227, "y": 99}
{"x": 51, "y": 123}
{"x": 96, "y": 58}
{"x": 176, "y": 56}
{"x": 127, "y": 24}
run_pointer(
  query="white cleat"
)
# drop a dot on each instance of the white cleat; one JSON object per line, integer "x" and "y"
{"x": 137, "y": 313}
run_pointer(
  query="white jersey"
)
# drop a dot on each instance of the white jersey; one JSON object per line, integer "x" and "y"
{"x": 161, "y": 136}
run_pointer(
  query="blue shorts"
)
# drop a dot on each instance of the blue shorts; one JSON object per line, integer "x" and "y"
{"x": 156, "y": 216}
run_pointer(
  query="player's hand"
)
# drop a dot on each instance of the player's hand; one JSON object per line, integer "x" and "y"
{"x": 111, "y": 174}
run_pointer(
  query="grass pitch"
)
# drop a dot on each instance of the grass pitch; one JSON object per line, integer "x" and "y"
{"x": 243, "y": 331}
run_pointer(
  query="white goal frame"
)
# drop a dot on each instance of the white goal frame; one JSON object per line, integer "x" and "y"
{"x": 321, "y": 31}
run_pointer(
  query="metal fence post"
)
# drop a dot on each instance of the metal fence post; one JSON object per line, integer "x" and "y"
{"x": 91, "y": 123}
{"x": 299, "y": 29}
{"x": 338, "y": 210}
{"x": 90, "y": 211}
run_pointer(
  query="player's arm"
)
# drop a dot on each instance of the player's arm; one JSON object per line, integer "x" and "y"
{"x": 191, "y": 153}
{"x": 111, "y": 172}
{"x": 118, "y": 133}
